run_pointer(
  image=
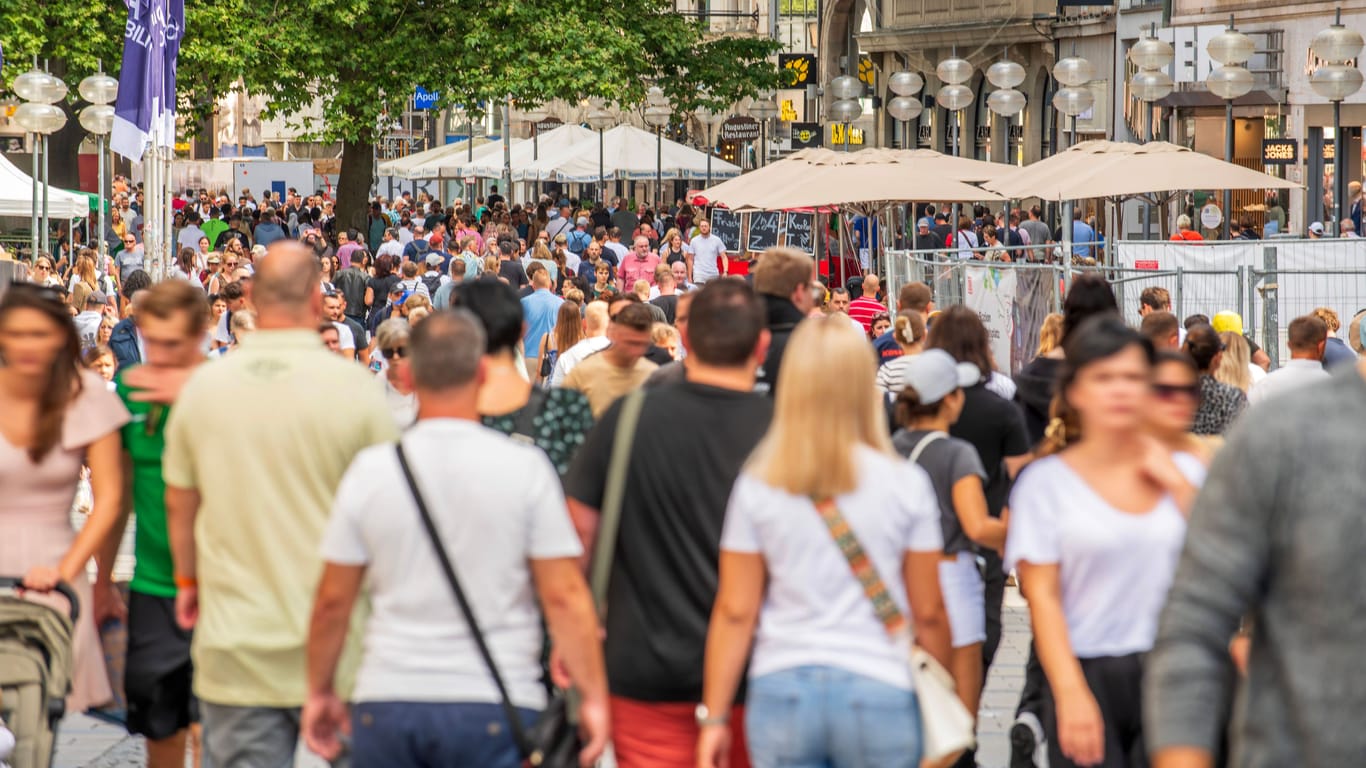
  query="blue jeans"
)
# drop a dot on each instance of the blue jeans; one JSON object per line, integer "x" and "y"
{"x": 824, "y": 717}
{"x": 403, "y": 734}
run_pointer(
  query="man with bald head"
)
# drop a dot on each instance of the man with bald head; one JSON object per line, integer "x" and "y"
{"x": 248, "y": 491}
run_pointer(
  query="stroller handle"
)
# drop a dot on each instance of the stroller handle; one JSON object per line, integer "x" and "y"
{"x": 62, "y": 588}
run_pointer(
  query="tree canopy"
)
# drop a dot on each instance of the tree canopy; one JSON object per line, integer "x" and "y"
{"x": 361, "y": 59}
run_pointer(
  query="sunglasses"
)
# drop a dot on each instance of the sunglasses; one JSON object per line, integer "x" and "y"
{"x": 393, "y": 352}
{"x": 230, "y": 263}
{"x": 1173, "y": 391}
{"x": 44, "y": 267}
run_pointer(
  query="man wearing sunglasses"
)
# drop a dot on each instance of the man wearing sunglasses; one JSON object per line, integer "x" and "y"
{"x": 130, "y": 258}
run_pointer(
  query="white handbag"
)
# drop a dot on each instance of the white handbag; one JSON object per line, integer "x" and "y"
{"x": 946, "y": 726}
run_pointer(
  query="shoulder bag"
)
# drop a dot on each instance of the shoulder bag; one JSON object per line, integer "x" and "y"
{"x": 609, "y": 517}
{"x": 946, "y": 726}
{"x": 553, "y": 742}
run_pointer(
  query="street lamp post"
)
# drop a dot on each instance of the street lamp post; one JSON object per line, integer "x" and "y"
{"x": 40, "y": 115}
{"x": 657, "y": 115}
{"x": 954, "y": 97}
{"x": 1150, "y": 83}
{"x": 709, "y": 118}
{"x": 100, "y": 90}
{"x": 1336, "y": 80}
{"x": 599, "y": 120}
{"x": 763, "y": 109}
{"x": 846, "y": 109}
{"x": 534, "y": 116}
{"x": 1071, "y": 100}
{"x": 1007, "y": 102}
{"x": 904, "y": 107}
{"x": 1231, "y": 49}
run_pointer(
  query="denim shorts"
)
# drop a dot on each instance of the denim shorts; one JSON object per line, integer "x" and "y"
{"x": 825, "y": 717}
{"x": 398, "y": 734}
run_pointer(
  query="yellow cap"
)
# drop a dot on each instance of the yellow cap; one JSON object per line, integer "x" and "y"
{"x": 1228, "y": 321}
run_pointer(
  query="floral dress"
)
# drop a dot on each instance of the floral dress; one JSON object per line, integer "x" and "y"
{"x": 558, "y": 427}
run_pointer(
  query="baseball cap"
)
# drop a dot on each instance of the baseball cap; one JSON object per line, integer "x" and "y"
{"x": 564, "y": 202}
{"x": 581, "y": 222}
{"x": 925, "y": 223}
{"x": 96, "y": 297}
{"x": 214, "y": 259}
{"x": 434, "y": 259}
{"x": 395, "y": 289}
{"x": 934, "y": 375}
{"x": 1227, "y": 321}
{"x": 1316, "y": 227}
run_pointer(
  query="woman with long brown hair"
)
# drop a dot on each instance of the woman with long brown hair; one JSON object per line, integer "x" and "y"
{"x": 568, "y": 332}
{"x": 85, "y": 280}
{"x": 1095, "y": 529}
{"x": 53, "y": 416}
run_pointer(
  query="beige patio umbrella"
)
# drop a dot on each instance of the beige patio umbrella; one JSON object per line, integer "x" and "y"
{"x": 821, "y": 178}
{"x": 1115, "y": 169}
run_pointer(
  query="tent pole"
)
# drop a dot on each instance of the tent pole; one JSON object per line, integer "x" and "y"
{"x": 46, "y": 224}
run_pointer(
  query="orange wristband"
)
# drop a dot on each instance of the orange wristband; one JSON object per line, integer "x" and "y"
{"x": 186, "y": 582}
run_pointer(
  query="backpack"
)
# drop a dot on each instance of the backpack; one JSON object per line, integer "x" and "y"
{"x": 433, "y": 281}
{"x": 578, "y": 242}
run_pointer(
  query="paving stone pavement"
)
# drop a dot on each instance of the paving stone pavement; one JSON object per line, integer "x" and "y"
{"x": 84, "y": 742}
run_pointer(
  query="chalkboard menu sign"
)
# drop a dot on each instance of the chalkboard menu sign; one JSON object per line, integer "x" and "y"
{"x": 726, "y": 225}
{"x": 797, "y": 230}
{"x": 763, "y": 231}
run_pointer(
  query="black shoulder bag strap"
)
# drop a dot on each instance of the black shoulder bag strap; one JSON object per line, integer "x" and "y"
{"x": 519, "y": 734}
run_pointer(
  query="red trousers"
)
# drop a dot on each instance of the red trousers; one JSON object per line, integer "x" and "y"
{"x": 664, "y": 735}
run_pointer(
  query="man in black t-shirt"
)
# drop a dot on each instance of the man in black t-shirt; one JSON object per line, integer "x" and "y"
{"x": 510, "y": 268}
{"x": 690, "y": 443}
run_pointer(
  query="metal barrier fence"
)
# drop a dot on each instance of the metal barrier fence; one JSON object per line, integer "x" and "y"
{"x": 1268, "y": 283}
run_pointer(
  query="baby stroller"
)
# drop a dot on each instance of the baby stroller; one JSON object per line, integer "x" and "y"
{"x": 35, "y": 671}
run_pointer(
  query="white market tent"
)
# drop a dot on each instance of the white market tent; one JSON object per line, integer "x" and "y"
{"x": 16, "y": 196}
{"x": 524, "y": 152}
{"x": 427, "y": 164}
{"x": 627, "y": 153}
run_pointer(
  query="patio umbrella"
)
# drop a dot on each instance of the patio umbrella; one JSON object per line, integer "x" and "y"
{"x": 821, "y": 178}
{"x": 1116, "y": 169}
{"x": 627, "y": 153}
{"x": 425, "y": 164}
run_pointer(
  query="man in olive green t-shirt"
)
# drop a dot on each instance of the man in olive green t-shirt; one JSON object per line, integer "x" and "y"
{"x": 172, "y": 320}
{"x": 620, "y": 368}
{"x": 248, "y": 491}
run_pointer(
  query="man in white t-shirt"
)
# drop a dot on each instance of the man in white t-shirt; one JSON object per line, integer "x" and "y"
{"x": 391, "y": 245}
{"x": 595, "y": 321}
{"x": 423, "y": 688}
{"x": 707, "y": 249}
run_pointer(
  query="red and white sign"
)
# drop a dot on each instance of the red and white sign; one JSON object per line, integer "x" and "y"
{"x": 1146, "y": 264}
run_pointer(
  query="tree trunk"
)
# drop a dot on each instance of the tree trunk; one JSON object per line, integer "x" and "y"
{"x": 63, "y": 169}
{"x": 353, "y": 184}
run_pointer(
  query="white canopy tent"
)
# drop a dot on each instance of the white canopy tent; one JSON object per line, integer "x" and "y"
{"x": 627, "y": 153}
{"x": 16, "y": 196}
{"x": 524, "y": 152}
{"x": 428, "y": 163}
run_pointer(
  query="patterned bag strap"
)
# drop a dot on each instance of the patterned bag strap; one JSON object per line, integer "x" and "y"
{"x": 883, "y": 605}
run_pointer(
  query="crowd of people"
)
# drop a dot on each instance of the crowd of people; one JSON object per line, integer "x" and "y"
{"x": 394, "y": 502}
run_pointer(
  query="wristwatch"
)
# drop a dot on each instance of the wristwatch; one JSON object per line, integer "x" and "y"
{"x": 706, "y": 719}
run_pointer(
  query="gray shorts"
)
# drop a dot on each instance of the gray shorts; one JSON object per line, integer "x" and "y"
{"x": 253, "y": 737}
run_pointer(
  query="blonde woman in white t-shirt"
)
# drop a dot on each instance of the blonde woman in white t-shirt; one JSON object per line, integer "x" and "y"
{"x": 822, "y": 661}
{"x": 1095, "y": 530}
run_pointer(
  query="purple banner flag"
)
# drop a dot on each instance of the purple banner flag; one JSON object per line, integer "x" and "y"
{"x": 145, "y": 110}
